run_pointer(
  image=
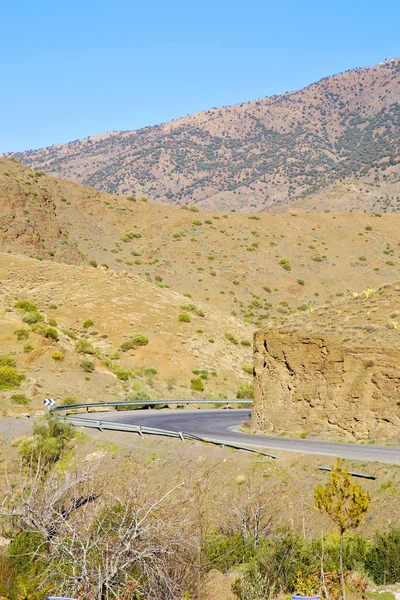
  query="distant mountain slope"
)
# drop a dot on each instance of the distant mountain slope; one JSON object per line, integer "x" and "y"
{"x": 253, "y": 155}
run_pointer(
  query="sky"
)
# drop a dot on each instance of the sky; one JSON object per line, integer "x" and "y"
{"x": 79, "y": 68}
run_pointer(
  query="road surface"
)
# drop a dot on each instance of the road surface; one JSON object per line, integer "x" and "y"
{"x": 223, "y": 425}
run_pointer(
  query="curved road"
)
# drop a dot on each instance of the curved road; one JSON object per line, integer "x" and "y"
{"x": 222, "y": 425}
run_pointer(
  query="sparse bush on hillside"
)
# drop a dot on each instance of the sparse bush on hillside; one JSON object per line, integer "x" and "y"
{"x": 84, "y": 347}
{"x": 88, "y": 323}
{"x": 245, "y": 391}
{"x": 87, "y": 365}
{"x": 20, "y": 399}
{"x": 69, "y": 332}
{"x": 26, "y": 306}
{"x": 285, "y": 264}
{"x": 46, "y": 331}
{"x": 7, "y": 361}
{"x": 300, "y": 281}
{"x": 93, "y": 263}
{"x": 27, "y": 348}
{"x": 135, "y": 342}
{"x": 184, "y": 318}
{"x": 21, "y": 333}
{"x": 9, "y": 377}
{"x": 33, "y": 317}
{"x": 57, "y": 356}
{"x": 196, "y": 384}
{"x": 248, "y": 369}
{"x": 231, "y": 338}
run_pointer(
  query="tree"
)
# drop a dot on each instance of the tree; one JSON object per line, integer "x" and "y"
{"x": 345, "y": 503}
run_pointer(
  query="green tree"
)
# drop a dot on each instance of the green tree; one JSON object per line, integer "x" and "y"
{"x": 345, "y": 502}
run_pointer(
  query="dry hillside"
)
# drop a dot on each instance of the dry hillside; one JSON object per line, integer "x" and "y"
{"x": 253, "y": 267}
{"x": 70, "y": 344}
{"x": 255, "y": 155}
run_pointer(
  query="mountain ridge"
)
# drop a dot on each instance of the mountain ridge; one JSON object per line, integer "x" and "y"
{"x": 251, "y": 156}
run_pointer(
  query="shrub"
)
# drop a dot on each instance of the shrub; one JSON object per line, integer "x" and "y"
{"x": 27, "y": 348}
{"x": 300, "y": 281}
{"x": 134, "y": 342}
{"x": 231, "y": 338}
{"x": 9, "y": 377}
{"x": 50, "y": 438}
{"x": 57, "y": 356}
{"x": 52, "y": 322}
{"x": 87, "y": 365}
{"x": 20, "y": 399}
{"x": 21, "y": 333}
{"x": 383, "y": 561}
{"x": 48, "y": 332}
{"x": 26, "y": 306}
{"x": 245, "y": 391}
{"x": 68, "y": 401}
{"x": 70, "y": 333}
{"x": 7, "y": 361}
{"x": 196, "y": 384}
{"x": 33, "y": 317}
{"x": 196, "y": 223}
{"x": 184, "y": 318}
{"x": 84, "y": 347}
{"x": 248, "y": 369}
{"x": 88, "y": 323}
{"x": 93, "y": 263}
{"x": 285, "y": 264}
{"x": 245, "y": 342}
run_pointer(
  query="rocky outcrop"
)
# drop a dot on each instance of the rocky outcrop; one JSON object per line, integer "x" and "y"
{"x": 313, "y": 385}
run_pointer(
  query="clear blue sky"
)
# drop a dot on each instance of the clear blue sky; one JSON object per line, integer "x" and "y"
{"x": 78, "y": 68}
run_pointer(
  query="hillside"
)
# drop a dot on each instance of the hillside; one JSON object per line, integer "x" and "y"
{"x": 256, "y": 268}
{"x": 256, "y": 155}
{"x": 79, "y": 346}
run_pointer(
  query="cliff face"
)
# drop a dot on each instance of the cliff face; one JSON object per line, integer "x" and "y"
{"x": 310, "y": 384}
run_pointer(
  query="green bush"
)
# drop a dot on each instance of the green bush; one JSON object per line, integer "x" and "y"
{"x": 248, "y": 369}
{"x": 87, "y": 365}
{"x": 9, "y": 377}
{"x": 196, "y": 384}
{"x": 28, "y": 348}
{"x": 93, "y": 263}
{"x": 184, "y": 318}
{"x": 52, "y": 322}
{"x": 20, "y": 399}
{"x": 231, "y": 338}
{"x": 21, "y": 333}
{"x": 245, "y": 391}
{"x": 383, "y": 561}
{"x": 50, "y": 438}
{"x": 57, "y": 356}
{"x": 84, "y": 347}
{"x": 285, "y": 264}
{"x": 245, "y": 342}
{"x": 88, "y": 323}
{"x": 26, "y": 306}
{"x": 7, "y": 361}
{"x": 33, "y": 317}
{"x": 46, "y": 331}
{"x": 135, "y": 342}
{"x": 23, "y": 553}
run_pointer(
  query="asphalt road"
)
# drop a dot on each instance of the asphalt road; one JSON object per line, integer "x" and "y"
{"x": 222, "y": 425}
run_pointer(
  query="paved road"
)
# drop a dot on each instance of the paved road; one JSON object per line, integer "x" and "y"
{"x": 222, "y": 425}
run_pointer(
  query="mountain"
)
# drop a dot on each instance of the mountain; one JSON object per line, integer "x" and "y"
{"x": 259, "y": 155}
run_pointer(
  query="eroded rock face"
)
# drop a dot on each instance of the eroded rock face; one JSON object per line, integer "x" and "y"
{"x": 305, "y": 384}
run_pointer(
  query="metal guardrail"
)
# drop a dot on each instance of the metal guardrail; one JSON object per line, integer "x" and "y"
{"x": 147, "y": 403}
{"x": 144, "y": 430}
{"x": 363, "y": 475}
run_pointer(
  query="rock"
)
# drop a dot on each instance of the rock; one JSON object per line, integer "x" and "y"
{"x": 314, "y": 384}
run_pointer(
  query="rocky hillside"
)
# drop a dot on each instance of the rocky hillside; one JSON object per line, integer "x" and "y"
{"x": 256, "y": 268}
{"x": 256, "y": 155}
{"x": 334, "y": 372}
